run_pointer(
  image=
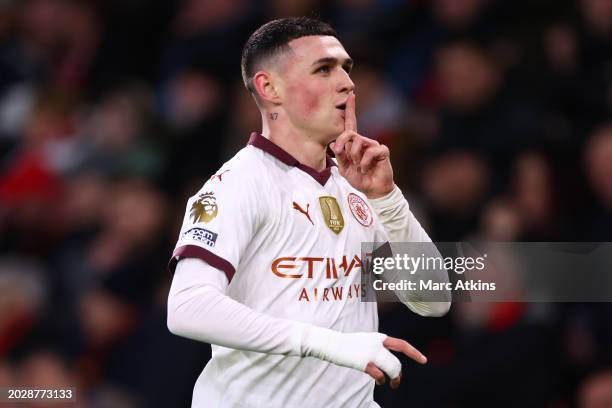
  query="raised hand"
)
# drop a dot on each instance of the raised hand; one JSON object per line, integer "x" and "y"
{"x": 362, "y": 161}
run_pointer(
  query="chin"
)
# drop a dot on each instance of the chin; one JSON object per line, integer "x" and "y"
{"x": 332, "y": 134}
{"x": 328, "y": 134}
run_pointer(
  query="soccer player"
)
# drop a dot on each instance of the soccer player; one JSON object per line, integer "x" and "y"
{"x": 267, "y": 264}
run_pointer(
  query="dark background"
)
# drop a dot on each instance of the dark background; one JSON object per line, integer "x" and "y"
{"x": 113, "y": 112}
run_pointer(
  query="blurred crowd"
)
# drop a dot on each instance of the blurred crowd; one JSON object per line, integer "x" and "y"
{"x": 498, "y": 115}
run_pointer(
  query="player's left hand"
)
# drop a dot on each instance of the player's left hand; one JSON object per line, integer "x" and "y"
{"x": 402, "y": 346}
{"x": 362, "y": 161}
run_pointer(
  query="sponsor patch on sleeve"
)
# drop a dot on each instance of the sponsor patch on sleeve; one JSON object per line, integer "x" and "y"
{"x": 202, "y": 235}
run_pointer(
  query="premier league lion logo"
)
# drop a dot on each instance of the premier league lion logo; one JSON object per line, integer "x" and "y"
{"x": 204, "y": 209}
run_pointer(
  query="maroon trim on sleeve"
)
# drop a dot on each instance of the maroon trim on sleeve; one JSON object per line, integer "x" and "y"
{"x": 194, "y": 251}
{"x": 269, "y": 147}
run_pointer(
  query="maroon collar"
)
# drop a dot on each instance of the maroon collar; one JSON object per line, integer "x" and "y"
{"x": 269, "y": 147}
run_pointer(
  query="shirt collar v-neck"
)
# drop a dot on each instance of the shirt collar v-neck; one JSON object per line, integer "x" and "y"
{"x": 260, "y": 142}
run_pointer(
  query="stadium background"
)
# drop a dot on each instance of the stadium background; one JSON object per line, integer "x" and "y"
{"x": 113, "y": 112}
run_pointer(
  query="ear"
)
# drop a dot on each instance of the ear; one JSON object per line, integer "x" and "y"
{"x": 265, "y": 85}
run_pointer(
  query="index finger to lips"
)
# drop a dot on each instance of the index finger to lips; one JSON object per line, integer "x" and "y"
{"x": 350, "y": 120}
{"x": 403, "y": 346}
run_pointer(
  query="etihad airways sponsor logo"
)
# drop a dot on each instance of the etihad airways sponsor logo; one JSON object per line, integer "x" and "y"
{"x": 293, "y": 267}
{"x": 333, "y": 293}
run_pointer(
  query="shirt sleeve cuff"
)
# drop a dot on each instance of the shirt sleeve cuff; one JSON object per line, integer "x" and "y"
{"x": 392, "y": 200}
{"x": 194, "y": 251}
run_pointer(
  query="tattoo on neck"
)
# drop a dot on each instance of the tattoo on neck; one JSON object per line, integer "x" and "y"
{"x": 274, "y": 116}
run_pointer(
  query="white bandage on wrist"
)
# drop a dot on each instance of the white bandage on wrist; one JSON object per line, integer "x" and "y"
{"x": 353, "y": 350}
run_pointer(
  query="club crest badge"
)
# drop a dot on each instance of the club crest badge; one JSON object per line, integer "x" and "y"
{"x": 205, "y": 208}
{"x": 331, "y": 213}
{"x": 360, "y": 210}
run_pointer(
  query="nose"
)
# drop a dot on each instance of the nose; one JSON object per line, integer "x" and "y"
{"x": 345, "y": 84}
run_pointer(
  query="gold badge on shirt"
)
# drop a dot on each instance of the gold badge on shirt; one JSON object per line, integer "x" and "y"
{"x": 331, "y": 213}
{"x": 205, "y": 208}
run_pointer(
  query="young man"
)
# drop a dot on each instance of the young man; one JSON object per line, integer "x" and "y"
{"x": 268, "y": 259}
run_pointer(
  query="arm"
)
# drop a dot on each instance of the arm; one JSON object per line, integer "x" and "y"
{"x": 402, "y": 226}
{"x": 366, "y": 165}
{"x": 199, "y": 309}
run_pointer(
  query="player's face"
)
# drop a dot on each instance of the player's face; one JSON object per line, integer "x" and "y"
{"x": 315, "y": 85}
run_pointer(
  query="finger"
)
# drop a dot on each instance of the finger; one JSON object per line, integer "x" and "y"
{"x": 367, "y": 159}
{"x": 375, "y": 373}
{"x": 403, "y": 346}
{"x": 356, "y": 149}
{"x": 337, "y": 147}
{"x": 339, "y": 144}
{"x": 342, "y": 159}
{"x": 372, "y": 154}
{"x": 395, "y": 382}
{"x": 350, "y": 120}
{"x": 347, "y": 151}
{"x": 388, "y": 363}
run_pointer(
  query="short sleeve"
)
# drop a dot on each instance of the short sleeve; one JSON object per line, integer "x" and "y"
{"x": 220, "y": 221}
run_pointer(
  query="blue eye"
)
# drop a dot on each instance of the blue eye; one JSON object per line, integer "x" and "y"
{"x": 324, "y": 69}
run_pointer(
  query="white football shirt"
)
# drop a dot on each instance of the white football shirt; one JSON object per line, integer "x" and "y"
{"x": 289, "y": 240}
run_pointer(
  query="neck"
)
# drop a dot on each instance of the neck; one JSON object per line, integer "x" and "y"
{"x": 307, "y": 149}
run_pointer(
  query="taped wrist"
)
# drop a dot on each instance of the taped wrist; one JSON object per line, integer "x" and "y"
{"x": 353, "y": 350}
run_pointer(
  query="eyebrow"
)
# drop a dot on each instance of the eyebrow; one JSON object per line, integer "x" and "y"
{"x": 348, "y": 63}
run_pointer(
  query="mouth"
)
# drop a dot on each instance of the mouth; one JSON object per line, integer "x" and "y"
{"x": 342, "y": 106}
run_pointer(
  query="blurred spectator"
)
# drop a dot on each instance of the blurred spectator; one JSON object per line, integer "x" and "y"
{"x": 534, "y": 198}
{"x": 598, "y": 157}
{"x": 596, "y": 391}
{"x": 558, "y": 85}
{"x": 501, "y": 222}
{"x": 595, "y": 43}
{"x": 599, "y": 14}
{"x": 45, "y": 369}
{"x": 6, "y": 375}
{"x": 455, "y": 185}
{"x": 467, "y": 77}
{"x": 122, "y": 254}
{"x": 79, "y": 32}
{"x": 56, "y": 42}
{"x": 435, "y": 23}
{"x": 190, "y": 98}
{"x": 119, "y": 138}
{"x": 458, "y": 15}
{"x": 477, "y": 111}
{"x": 201, "y": 32}
{"x": 23, "y": 295}
{"x": 598, "y": 162}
